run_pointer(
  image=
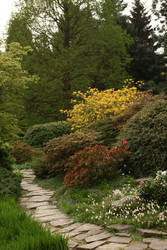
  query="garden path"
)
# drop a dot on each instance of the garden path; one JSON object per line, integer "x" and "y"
{"x": 39, "y": 204}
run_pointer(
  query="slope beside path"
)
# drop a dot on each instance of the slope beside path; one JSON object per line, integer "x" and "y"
{"x": 39, "y": 204}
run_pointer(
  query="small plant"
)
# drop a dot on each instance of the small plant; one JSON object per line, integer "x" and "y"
{"x": 155, "y": 189}
{"x": 26, "y": 165}
{"x": 40, "y": 169}
{"x": 94, "y": 163}
{"x": 39, "y": 135}
{"x": 60, "y": 149}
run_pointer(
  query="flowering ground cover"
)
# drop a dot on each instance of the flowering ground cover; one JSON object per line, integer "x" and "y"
{"x": 119, "y": 200}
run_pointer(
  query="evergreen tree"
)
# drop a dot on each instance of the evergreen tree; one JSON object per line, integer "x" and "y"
{"x": 112, "y": 46}
{"x": 160, "y": 10}
{"x": 18, "y": 30}
{"x": 146, "y": 65}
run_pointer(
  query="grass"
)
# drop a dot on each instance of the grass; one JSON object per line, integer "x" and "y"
{"x": 18, "y": 231}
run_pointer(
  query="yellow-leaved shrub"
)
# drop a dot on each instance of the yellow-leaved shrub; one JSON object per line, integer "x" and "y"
{"x": 96, "y": 105}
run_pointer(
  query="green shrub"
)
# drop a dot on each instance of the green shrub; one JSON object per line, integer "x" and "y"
{"x": 38, "y": 135}
{"x": 110, "y": 128}
{"x": 93, "y": 163}
{"x": 108, "y": 131}
{"x": 19, "y": 232}
{"x": 60, "y": 149}
{"x": 9, "y": 128}
{"x": 40, "y": 169}
{"x": 9, "y": 183}
{"x": 22, "y": 152}
{"x": 146, "y": 134}
{"x": 6, "y": 159}
{"x": 18, "y": 167}
{"x": 155, "y": 189}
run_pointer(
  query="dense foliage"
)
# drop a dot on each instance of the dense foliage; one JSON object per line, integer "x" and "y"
{"x": 155, "y": 189}
{"x": 146, "y": 134}
{"x": 110, "y": 128}
{"x": 94, "y": 163}
{"x": 9, "y": 183}
{"x": 22, "y": 152}
{"x": 97, "y": 105}
{"x": 147, "y": 64}
{"x": 83, "y": 47}
{"x": 40, "y": 169}
{"x": 60, "y": 149}
{"x": 38, "y": 135}
{"x": 160, "y": 10}
{"x": 13, "y": 82}
{"x": 5, "y": 155}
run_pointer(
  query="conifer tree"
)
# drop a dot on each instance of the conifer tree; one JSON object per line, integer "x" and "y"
{"x": 146, "y": 65}
{"x": 160, "y": 10}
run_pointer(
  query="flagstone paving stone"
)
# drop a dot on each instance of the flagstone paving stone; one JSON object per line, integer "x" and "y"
{"x": 117, "y": 239}
{"x": 92, "y": 245}
{"x": 83, "y": 236}
{"x": 61, "y": 222}
{"x": 97, "y": 237}
{"x": 70, "y": 228}
{"x": 158, "y": 244}
{"x": 41, "y": 206}
{"x": 150, "y": 232}
{"x": 54, "y": 214}
{"x": 54, "y": 220}
{"x": 34, "y": 205}
{"x": 39, "y": 198}
{"x": 38, "y": 193}
{"x": 148, "y": 240}
{"x": 87, "y": 227}
{"x": 73, "y": 233}
{"x": 112, "y": 246}
{"x": 136, "y": 247}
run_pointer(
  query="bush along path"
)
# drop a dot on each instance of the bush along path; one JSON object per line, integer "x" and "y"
{"x": 39, "y": 203}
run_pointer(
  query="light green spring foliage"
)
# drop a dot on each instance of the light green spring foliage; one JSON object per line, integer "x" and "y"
{"x": 13, "y": 81}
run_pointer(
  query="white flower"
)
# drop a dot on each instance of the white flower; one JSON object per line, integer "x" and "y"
{"x": 117, "y": 193}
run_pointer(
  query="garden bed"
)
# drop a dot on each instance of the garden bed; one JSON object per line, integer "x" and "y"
{"x": 108, "y": 202}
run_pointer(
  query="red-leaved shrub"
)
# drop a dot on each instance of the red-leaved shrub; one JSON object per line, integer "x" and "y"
{"x": 93, "y": 163}
{"x": 60, "y": 149}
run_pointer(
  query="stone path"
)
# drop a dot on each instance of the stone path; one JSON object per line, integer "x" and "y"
{"x": 39, "y": 203}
